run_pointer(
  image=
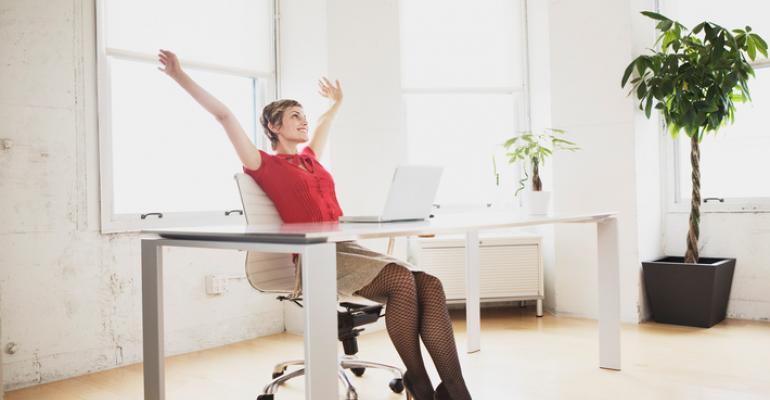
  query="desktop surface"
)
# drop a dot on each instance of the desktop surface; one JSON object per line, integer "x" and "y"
{"x": 339, "y": 232}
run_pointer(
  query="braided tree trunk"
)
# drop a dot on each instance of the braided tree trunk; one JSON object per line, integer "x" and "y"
{"x": 537, "y": 185}
{"x": 691, "y": 256}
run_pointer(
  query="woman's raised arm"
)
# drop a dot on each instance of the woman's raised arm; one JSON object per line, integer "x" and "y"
{"x": 332, "y": 92}
{"x": 246, "y": 150}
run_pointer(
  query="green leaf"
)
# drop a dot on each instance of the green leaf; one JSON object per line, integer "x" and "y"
{"x": 673, "y": 130}
{"x": 664, "y": 25}
{"x": 711, "y": 106}
{"x": 759, "y": 43}
{"x": 764, "y": 53}
{"x": 510, "y": 142}
{"x": 655, "y": 16}
{"x": 641, "y": 90}
{"x": 562, "y": 141}
{"x": 751, "y": 48}
{"x": 627, "y": 73}
{"x": 648, "y": 107}
{"x": 668, "y": 38}
{"x": 759, "y": 40}
{"x": 641, "y": 65}
{"x": 714, "y": 121}
{"x": 697, "y": 28}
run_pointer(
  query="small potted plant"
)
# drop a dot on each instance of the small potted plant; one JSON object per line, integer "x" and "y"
{"x": 694, "y": 80}
{"x": 532, "y": 149}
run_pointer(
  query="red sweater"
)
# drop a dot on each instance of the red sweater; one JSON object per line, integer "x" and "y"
{"x": 300, "y": 195}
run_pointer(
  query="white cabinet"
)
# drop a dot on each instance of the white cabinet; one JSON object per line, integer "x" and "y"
{"x": 511, "y": 267}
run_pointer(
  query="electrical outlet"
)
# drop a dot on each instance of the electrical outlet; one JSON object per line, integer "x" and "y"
{"x": 216, "y": 284}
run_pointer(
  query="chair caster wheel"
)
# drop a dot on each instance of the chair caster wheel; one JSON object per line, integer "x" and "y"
{"x": 358, "y": 371}
{"x": 396, "y": 385}
{"x": 277, "y": 374}
{"x": 265, "y": 397}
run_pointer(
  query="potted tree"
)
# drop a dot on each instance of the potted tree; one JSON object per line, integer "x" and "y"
{"x": 694, "y": 79}
{"x": 532, "y": 149}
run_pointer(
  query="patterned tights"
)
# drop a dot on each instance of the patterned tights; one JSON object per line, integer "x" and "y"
{"x": 416, "y": 308}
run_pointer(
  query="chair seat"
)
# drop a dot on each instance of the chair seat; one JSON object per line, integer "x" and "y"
{"x": 350, "y": 319}
{"x": 357, "y": 315}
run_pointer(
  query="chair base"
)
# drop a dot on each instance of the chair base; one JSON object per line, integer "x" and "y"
{"x": 346, "y": 362}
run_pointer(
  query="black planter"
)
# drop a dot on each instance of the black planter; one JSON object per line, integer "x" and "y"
{"x": 689, "y": 294}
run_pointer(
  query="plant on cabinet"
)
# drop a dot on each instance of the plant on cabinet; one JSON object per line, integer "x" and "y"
{"x": 532, "y": 149}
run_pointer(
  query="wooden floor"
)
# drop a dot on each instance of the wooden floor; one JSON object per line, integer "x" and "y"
{"x": 522, "y": 357}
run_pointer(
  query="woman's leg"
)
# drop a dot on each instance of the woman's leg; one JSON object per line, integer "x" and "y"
{"x": 396, "y": 283}
{"x": 436, "y": 332}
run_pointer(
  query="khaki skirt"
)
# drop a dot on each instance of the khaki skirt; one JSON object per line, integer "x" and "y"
{"x": 357, "y": 266}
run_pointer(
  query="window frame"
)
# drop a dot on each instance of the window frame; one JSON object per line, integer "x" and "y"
{"x": 679, "y": 203}
{"x": 522, "y": 107}
{"x": 268, "y": 82}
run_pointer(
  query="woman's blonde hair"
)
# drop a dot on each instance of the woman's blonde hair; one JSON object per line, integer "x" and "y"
{"x": 273, "y": 114}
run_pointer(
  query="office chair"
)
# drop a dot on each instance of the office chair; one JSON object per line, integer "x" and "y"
{"x": 276, "y": 273}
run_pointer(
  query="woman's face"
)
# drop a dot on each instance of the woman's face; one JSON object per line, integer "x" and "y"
{"x": 293, "y": 125}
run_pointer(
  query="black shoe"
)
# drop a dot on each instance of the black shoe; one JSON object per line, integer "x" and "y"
{"x": 409, "y": 387}
{"x": 441, "y": 393}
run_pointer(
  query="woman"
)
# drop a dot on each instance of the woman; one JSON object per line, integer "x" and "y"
{"x": 303, "y": 191}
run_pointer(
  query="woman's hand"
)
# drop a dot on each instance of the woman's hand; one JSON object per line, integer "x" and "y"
{"x": 246, "y": 150}
{"x": 171, "y": 65}
{"x": 331, "y": 92}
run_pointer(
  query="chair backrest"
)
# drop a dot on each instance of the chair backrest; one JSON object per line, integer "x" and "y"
{"x": 266, "y": 272}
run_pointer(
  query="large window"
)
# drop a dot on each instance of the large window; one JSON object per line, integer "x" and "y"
{"x": 464, "y": 90}
{"x": 734, "y": 163}
{"x": 161, "y": 153}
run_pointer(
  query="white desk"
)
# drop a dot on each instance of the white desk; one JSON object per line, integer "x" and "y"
{"x": 316, "y": 244}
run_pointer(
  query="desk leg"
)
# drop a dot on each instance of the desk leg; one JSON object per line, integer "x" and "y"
{"x": 472, "y": 291}
{"x": 319, "y": 289}
{"x": 609, "y": 294}
{"x": 2, "y": 350}
{"x": 152, "y": 320}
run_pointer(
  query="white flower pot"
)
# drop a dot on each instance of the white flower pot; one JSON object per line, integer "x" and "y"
{"x": 537, "y": 203}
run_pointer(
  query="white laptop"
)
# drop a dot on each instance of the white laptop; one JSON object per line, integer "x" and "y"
{"x": 410, "y": 197}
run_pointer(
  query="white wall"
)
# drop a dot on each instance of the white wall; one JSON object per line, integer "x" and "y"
{"x": 369, "y": 139}
{"x": 539, "y": 71}
{"x": 591, "y": 43}
{"x": 70, "y": 296}
{"x": 303, "y": 53}
{"x": 649, "y": 163}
